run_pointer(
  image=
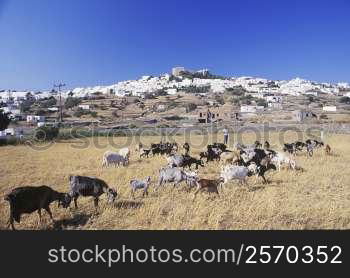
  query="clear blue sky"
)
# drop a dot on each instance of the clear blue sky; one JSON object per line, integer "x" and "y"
{"x": 100, "y": 42}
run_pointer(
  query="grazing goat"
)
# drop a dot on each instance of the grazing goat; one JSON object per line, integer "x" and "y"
{"x": 230, "y": 157}
{"x": 174, "y": 175}
{"x": 280, "y": 159}
{"x": 191, "y": 178}
{"x": 188, "y": 161}
{"x": 28, "y": 199}
{"x": 222, "y": 147}
{"x": 208, "y": 185}
{"x": 137, "y": 184}
{"x": 233, "y": 172}
{"x": 315, "y": 143}
{"x": 186, "y": 147}
{"x": 125, "y": 152}
{"x": 87, "y": 186}
{"x": 112, "y": 158}
{"x": 144, "y": 152}
{"x": 290, "y": 148}
{"x": 211, "y": 154}
{"x": 266, "y": 145}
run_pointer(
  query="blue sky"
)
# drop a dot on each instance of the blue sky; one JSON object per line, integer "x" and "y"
{"x": 100, "y": 42}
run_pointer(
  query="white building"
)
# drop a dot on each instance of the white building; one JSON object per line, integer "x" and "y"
{"x": 311, "y": 93}
{"x": 251, "y": 108}
{"x": 275, "y": 105}
{"x": 177, "y": 70}
{"x": 172, "y": 91}
{"x": 84, "y": 106}
{"x": 53, "y": 109}
{"x": 7, "y": 132}
{"x": 273, "y": 99}
{"x": 330, "y": 108}
{"x": 35, "y": 119}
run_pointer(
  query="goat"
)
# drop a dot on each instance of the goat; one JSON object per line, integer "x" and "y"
{"x": 191, "y": 177}
{"x": 232, "y": 172}
{"x": 28, "y": 199}
{"x": 125, "y": 152}
{"x": 186, "y": 147}
{"x": 112, "y": 158}
{"x": 188, "y": 161}
{"x": 144, "y": 152}
{"x": 230, "y": 157}
{"x": 208, "y": 185}
{"x": 327, "y": 150}
{"x": 88, "y": 186}
{"x": 175, "y": 175}
{"x": 137, "y": 184}
{"x": 266, "y": 145}
{"x": 280, "y": 158}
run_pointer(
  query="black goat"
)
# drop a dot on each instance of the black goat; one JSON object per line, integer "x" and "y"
{"x": 86, "y": 186}
{"x": 186, "y": 147}
{"x": 188, "y": 161}
{"x": 28, "y": 199}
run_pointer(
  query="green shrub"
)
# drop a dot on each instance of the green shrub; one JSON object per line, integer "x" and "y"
{"x": 46, "y": 133}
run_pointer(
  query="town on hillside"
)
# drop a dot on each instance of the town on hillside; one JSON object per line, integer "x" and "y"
{"x": 181, "y": 98}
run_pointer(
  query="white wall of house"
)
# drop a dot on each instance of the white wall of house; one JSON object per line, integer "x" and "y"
{"x": 35, "y": 119}
{"x": 274, "y": 99}
{"x": 84, "y": 106}
{"x": 251, "y": 108}
{"x": 330, "y": 108}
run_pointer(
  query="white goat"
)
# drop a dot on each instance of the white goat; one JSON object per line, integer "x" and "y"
{"x": 233, "y": 172}
{"x": 112, "y": 158}
{"x": 125, "y": 152}
{"x": 280, "y": 159}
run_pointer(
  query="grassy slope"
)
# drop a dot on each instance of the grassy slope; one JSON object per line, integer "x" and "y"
{"x": 318, "y": 198}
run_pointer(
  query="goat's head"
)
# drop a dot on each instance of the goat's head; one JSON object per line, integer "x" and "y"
{"x": 64, "y": 200}
{"x": 111, "y": 195}
{"x": 220, "y": 181}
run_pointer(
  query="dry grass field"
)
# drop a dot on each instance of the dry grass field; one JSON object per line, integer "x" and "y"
{"x": 317, "y": 198}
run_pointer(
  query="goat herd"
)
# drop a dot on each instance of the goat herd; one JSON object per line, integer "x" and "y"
{"x": 237, "y": 164}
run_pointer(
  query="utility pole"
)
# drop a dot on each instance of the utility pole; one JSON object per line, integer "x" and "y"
{"x": 59, "y": 86}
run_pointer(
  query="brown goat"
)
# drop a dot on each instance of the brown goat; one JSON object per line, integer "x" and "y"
{"x": 230, "y": 157}
{"x": 327, "y": 150}
{"x": 208, "y": 185}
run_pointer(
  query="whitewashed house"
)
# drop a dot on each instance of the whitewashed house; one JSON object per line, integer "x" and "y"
{"x": 84, "y": 106}
{"x": 312, "y": 93}
{"x": 171, "y": 91}
{"x": 7, "y": 132}
{"x": 251, "y": 108}
{"x": 273, "y": 99}
{"x": 35, "y": 119}
{"x": 330, "y": 108}
{"x": 53, "y": 109}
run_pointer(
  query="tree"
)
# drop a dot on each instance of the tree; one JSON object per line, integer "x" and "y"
{"x": 46, "y": 133}
{"x": 4, "y": 120}
{"x": 71, "y": 102}
{"x": 344, "y": 100}
{"x": 190, "y": 107}
{"x": 51, "y": 101}
{"x": 261, "y": 102}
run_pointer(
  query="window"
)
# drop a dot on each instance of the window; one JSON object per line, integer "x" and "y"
{"x": 200, "y": 115}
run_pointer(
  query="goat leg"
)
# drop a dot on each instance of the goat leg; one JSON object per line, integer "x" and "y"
{"x": 50, "y": 214}
{"x": 39, "y": 213}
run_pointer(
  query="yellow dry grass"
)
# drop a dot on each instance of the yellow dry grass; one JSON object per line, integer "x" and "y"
{"x": 318, "y": 198}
